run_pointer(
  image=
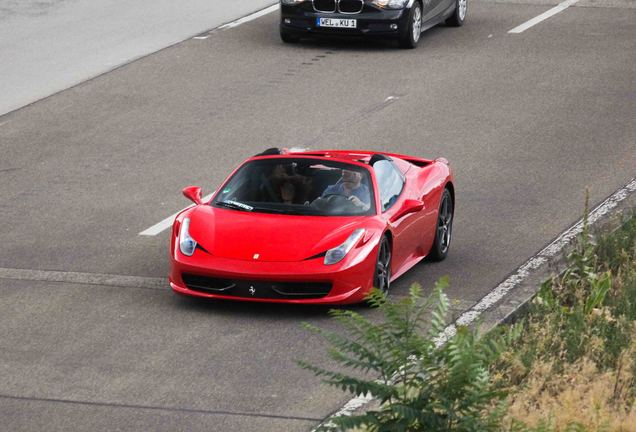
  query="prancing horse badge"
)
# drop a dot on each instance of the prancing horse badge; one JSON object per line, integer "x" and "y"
{"x": 252, "y": 290}
{"x": 256, "y": 256}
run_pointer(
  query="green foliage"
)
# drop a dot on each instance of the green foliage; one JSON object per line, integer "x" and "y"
{"x": 618, "y": 249}
{"x": 421, "y": 384}
{"x": 617, "y": 254}
{"x": 590, "y": 304}
{"x": 586, "y": 313}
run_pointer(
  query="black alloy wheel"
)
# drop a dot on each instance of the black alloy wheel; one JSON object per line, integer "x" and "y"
{"x": 459, "y": 14}
{"x": 382, "y": 275}
{"x": 411, "y": 35}
{"x": 444, "y": 228}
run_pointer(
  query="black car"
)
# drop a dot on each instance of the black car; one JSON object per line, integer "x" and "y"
{"x": 403, "y": 20}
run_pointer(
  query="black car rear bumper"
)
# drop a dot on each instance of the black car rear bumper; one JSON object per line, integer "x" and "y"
{"x": 301, "y": 21}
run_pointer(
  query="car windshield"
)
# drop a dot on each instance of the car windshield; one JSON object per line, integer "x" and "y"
{"x": 299, "y": 186}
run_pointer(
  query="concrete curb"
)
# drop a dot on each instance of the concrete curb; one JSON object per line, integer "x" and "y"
{"x": 507, "y": 309}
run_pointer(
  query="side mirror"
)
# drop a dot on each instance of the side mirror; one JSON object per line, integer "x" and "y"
{"x": 193, "y": 193}
{"x": 409, "y": 206}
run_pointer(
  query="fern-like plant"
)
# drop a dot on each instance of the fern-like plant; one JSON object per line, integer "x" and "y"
{"x": 420, "y": 385}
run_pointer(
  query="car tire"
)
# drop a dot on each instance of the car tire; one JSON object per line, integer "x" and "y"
{"x": 288, "y": 38}
{"x": 459, "y": 14}
{"x": 443, "y": 228}
{"x": 382, "y": 272}
{"x": 411, "y": 35}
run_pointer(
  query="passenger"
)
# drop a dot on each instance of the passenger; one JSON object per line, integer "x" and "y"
{"x": 278, "y": 175}
{"x": 298, "y": 184}
{"x": 271, "y": 183}
{"x": 351, "y": 186}
{"x": 287, "y": 192}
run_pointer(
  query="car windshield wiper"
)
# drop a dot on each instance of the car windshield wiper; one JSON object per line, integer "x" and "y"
{"x": 235, "y": 205}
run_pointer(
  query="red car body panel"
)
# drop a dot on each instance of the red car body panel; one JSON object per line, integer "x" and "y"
{"x": 278, "y": 248}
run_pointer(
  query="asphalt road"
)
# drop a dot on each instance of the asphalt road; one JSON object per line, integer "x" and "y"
{"x": 529, "y": 121}
{"x": 49, "y": 45}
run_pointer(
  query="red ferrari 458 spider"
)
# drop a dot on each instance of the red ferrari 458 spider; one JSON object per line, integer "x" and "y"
{"x": 312, "y": 227}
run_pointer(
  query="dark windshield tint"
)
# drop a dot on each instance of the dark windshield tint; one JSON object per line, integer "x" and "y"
{"x": 299, "y": 186}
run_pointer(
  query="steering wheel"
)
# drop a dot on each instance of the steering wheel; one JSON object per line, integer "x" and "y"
{"x": 332, "y": 196}
{"x": 335, "y": 202}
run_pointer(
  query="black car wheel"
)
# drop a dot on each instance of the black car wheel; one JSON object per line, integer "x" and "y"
{"x": 411, "y": 35}
{"x": 459, "y": 15}
{"x": 288, "y": 38}
{"x": 382, "y": 275}
{"x": 444, "y": 228}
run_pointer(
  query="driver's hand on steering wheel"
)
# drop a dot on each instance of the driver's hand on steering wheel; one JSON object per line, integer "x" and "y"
{"x": 356, "y": 201}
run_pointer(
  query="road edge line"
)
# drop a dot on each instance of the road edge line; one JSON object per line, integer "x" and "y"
{"x": 251, "y": 17}
{"x": 119, "y": 66}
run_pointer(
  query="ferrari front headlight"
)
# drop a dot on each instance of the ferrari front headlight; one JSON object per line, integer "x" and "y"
{"x": 187, "y": 244}
{"x": 390, "y": 4}
{"x": 336, "y": 254}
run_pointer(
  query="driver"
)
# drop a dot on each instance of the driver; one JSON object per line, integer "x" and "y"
{"x": 350, "y": 185}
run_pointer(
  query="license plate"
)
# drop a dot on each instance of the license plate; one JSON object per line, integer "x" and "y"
{"x": 336, "y": 22}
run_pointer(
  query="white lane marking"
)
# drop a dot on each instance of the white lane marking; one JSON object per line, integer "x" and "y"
{"x": 511, "y": 282}
{"x": 544, "y": 16}
{"x": 250, "y": 17}
{"x": 167, "y": 222}
{"x": 84, "y": 278}
{"x": 240, "y": 21}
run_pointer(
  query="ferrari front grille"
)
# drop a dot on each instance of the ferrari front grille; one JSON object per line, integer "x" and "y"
{"x": 256, "y": 289}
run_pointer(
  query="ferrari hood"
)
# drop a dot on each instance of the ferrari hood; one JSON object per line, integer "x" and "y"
{"x": 267, "y": 237}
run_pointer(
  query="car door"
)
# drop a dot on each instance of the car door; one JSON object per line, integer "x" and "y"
{"x": 393, "y": 191}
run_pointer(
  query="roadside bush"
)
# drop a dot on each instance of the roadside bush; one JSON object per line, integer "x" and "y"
{"x": 422, "y": 385}
{"x": 568, "y": 365}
